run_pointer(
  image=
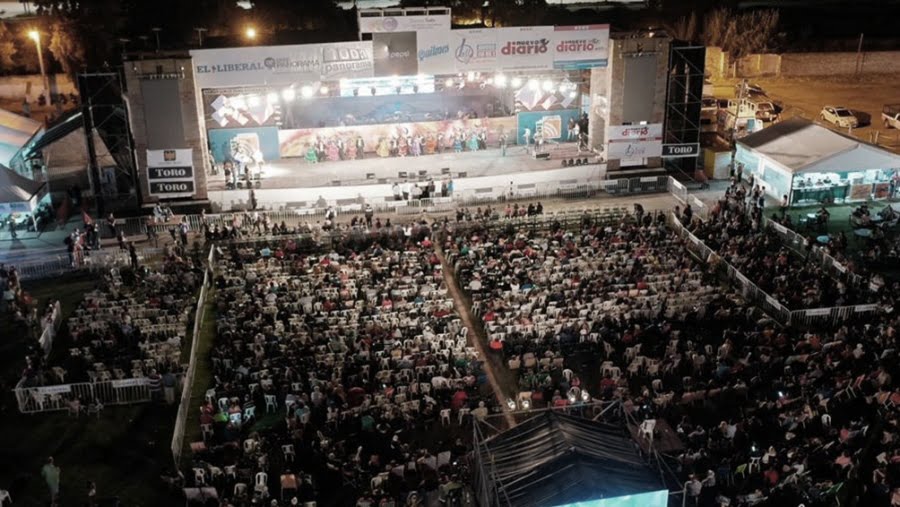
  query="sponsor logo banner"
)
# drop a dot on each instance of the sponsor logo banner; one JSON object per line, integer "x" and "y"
{"x": 434, "y": 53}
{"x": 631, "y": 150}
{"x": 634, "y": 132}
{"x": 474, "y": 49}
{"x": 681, "y": 150}
{"x": 170, "y": 158}
{"x": 281, "y": 65}
{"x": 580, "y": 47}
{"x": 395, "y": 54}
{"x": 171, "y": 188}
{"x": 170, "y": 173}
{"x": 525, "y": 48}
{"x": 381, "y": 24}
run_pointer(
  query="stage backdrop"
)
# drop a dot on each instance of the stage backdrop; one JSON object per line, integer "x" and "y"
{"x": 294, "y": 143}
{"x": 556, "y": 124}
{"x": 223, "y": 142}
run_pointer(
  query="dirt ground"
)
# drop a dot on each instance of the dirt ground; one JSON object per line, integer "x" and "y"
{"x": 805, "y": 97}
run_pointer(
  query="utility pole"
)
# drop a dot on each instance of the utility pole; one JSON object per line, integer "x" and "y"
{"x": 156, "y": 31}
{"x": 200, "y": 36}
{"x": 859, "y": 55}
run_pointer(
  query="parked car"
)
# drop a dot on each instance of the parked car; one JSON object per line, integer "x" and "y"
{"x": 890, "y": 115}
{"x": 751, "y": 90}
{"x": 839, "y": 116}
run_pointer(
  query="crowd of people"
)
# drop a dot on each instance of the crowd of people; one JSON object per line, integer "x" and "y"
{"x": 131, "y": 326}
{"x": 736, "y": 230}
{"x": 358, "y": 353}
{"x": 763, "y": 415}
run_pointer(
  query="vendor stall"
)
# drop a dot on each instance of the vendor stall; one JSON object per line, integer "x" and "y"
{"x": 812, "y": 164}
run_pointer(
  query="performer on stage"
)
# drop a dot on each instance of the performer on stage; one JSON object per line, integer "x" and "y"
{"x": 416, "y": 146}
{"x": 457, "y": 143}
{"x": 430, "y": 144}
{"x": 439, "y": 142}
{"x": 403, "y": 146}
{"x": 360, "y": 147}
{"x": 473, "y": 141}
{"x": 350, "y": 150}
{"x": 527, "y": 136}
{"x": 311, "y": 156}
{"x": 331, "y": 151}
{"x": 383, "y": 150}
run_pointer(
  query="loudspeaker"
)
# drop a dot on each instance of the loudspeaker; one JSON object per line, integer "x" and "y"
{"x": 445, "y": 170}
{"x": 370, "y": 176}
{"x": 462, "y": 174}
{"x": 401, "y": 174}
{"x": 423, "y": 173}
{"x": 542, "y": 156}
{"x": 571, "y": 162}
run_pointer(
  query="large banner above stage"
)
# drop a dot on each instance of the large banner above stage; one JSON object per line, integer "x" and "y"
{"x": 296, "y": 143}
{"x": 580, "y": 47}
{"x": 282, "y": 65}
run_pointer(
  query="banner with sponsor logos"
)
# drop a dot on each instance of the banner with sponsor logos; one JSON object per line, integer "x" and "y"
{"x": 474, "y": 49}
{"x": 524, "y": 48}
{"x": 282, "y": 65}
{"x": 170, "y": 173}
{"x": 580, "y": 47}
{"x": 633, "y": 142}
{"x": 434, "y": 54}
{"x": 395, "y": 54}
{"x": 424, "y": 23}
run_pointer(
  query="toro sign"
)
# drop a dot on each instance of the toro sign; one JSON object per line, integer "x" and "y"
{"x": 681, "y": 150}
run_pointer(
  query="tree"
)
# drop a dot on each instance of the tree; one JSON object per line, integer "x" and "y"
{"x": 685, "y": 28}
{"x": 741, "y": 34}
{"x": 8, "y": 49}
{"x": 66, "y": 47}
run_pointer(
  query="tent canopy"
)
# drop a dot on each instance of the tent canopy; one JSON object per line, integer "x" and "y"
{"x": 556, "y": 459}
{"x": 801, "y": 146}
{"x": 15, "y": 188}
{"x": 15, "y": 132}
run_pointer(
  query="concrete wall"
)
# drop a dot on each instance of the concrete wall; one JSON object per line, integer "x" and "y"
{"x": 191, "y": 117}
{"x": 719, "y": 65}
{"x": 30, "y": 86}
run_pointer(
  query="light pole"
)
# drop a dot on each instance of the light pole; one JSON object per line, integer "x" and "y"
{"x": 36, "y": 37}
{"x": 200, "y": 36}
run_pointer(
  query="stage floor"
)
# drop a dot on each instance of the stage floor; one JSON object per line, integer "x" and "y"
{"x": 297, "y": 173}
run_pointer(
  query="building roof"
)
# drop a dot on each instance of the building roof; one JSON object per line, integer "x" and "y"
{"x": 802, "y": 146}
{"x": 556, "y": 459}
{"x": 15, "y": 132}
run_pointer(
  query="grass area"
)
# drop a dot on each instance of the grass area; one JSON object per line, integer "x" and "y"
{"x": 123, "y": 451}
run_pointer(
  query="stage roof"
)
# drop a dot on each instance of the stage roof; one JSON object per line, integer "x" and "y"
{"x": 15, "y": 188}
{"x": 15, "y": 131}
{"x": 557, "y": 459}
{"x": 801, "y": 146}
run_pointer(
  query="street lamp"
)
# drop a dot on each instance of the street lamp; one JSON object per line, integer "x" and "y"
{"x": 36, "y": 37}
{"x": 250, "y": 32}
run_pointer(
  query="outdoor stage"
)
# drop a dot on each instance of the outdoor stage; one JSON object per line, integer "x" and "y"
{"x": 294, "y": 182}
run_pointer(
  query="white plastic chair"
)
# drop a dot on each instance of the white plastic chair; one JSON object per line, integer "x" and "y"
{"x": 271, "y": 403}
{"x": 4, "y": 496}
{"x": 445, "y": 417}
{"x": 199, "y": 477}
{"x": 646, "y": 429}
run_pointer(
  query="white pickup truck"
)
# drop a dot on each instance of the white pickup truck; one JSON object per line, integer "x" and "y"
{"x": 890, "y": 115}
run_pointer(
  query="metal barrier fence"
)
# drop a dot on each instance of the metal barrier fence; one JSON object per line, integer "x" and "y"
{"x": 798, "y": 243}
{"x": 50, "y": 328}
{"x": 184, "y": 404}
{"x": 61, "y": 397}
{"x": 744, "y": 286}
{"x": 770, "y": 305}
{"x": 97, "y": 260}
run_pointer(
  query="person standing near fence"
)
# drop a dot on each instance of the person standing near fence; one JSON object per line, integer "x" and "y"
{"x": 169, "y": 381}
{"x": 50, "y": 473}
{"x": 155, "y": 384}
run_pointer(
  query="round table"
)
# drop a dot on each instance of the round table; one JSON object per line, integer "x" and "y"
{"x": 825, "y": 239}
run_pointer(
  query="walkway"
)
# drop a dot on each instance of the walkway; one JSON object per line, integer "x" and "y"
{"x": 476, "y": 333}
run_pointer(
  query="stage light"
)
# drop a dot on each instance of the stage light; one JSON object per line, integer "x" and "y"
{"x": 288, "y": 94}
{"x": 571, "y": 397}
{"x": 533, "y": 84}
{"x": 547, "y": 86}
{"x": 306, "y": 92}
{"x": 573, "y": 94}
{"x": 500, "y": 81}
{"x": 323, "y": 90}
{"x": 250, "y": 32}
{"x": 526, "y": 404}
{"x": 449, "y": 82}
{"x": 272, "y": 98}
{"x": 470, "y": 76}
{"x": 516, "y": 82}
{"x": 253, "y": 101}
{"x": 489, "y": 80}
